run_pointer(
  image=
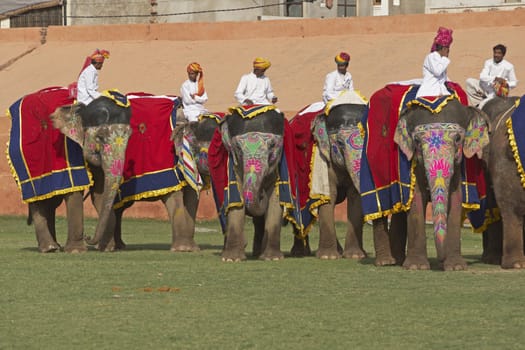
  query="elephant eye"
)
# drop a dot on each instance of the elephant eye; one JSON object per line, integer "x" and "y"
{"x": 457, "y": 138}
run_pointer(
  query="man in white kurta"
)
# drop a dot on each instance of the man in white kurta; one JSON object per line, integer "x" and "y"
{"x": 255, "y": 88}
{"x": 193, "y": 94}
{"x": 496, "y": 78}
{"x": 339, "y": 80}
{"x": 435, "y": 73}
{"x": 87, "y": 83}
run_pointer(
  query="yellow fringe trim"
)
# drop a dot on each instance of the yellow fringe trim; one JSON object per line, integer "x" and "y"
{"x": 149, "y": 194}
{"x": 240, "y": 110}
{"x": 107, "y": 94}
{"x": 362, "y": 131}
{"x": 433, "y": 110}
{"x": 515, "y": 153}
{"x": 211, "y": 116}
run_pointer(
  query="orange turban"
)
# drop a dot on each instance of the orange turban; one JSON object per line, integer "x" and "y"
{"x": 99, "y": 55}
{"x": 261, "y": 63}
{"x": 342, "y": 58}
{"x": 195, "y": 67}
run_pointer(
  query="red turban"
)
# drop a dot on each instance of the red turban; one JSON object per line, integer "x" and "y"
{"x": 195, "y": 67}
{"x": 443, "y": 38}
{"x": 342, "y": 58}
{"x": 99, "y": 55}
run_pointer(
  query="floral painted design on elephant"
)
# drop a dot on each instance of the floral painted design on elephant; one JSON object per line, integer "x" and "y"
{"x": 436, "y": 142}
{"x": 259, "y": 150}
{"x": 347, "y": 148}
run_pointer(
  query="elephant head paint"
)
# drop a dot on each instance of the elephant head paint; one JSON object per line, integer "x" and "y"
{"x": 437, "y": 143}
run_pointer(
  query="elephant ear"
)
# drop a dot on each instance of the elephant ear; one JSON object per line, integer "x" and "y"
{"x": 177, "y": 136}
{"x": 403, "y": 138}
{"x": 477, "y": 133}
{"x": 69, "y": 122}
{"x": 321, "y": 136}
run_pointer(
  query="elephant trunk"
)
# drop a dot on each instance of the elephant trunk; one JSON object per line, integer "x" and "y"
{"x": 112, "y": 157}
{"x": 439, "y": 173}
{"x": 256, "y": 205}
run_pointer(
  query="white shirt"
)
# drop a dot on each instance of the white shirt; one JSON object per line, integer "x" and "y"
{"x": 434, "y": 76}
{"x": 491, "y": 70}
{"x": 193, "y": 107}
{"x": 87, "y": 85}
{"x": 335, "y": 83}
{"x": 257, "y": 89}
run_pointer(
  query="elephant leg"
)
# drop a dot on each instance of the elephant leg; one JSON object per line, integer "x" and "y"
{"x": 235, "y": 241}
{"x": 397, "y": 236}
{"x": 117, "y": 236}
{"x": 40, "y": 216}
{"x": 258, "y": 236}
{"x": 327, "y": 237}
{"x": 107, "y": 243}
{"x": 382, "y": 243}
{"x": 513, "y": 257}
{"x": 75, "y": 223}
{"x": 182, "y": 210}
{"x": 492, "y": 244}
{"x": 416, "y": 258}
{"x": 354, "y": 234}
{"x": 453, "y": 259}
{"x": 272, "y": 230}
{"x": 301, "y": 247}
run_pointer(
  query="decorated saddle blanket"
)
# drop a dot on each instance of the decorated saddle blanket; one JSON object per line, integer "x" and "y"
{"x": 304, "y": 155}
{"x": 43, "y": 161}
{"x": 218, "y": 116}
{"x": 226, "y": 190}
{"x": 117, "y": 97}
{"x": 386, "y": 178}
{"x": 516, "y": 130}
{"x": 251, "y": 111}
{"x": 150, "y": 168}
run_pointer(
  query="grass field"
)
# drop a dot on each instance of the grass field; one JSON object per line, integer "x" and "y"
{"x": 148, "y": 298}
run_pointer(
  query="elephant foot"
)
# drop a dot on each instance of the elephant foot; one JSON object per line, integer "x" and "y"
{"x": 272, "y": 255}
{"x": 189, "y": 247}
{"x": 120, "y": 245}
{"x": 75, "y": 248}
{"x": 416, "y": 263}
{"x": 385, "y": 261}
{"x": 455, "y": 264}
{"x": 48, "y": 247}
{"x": 354, "y": 254}
{"x": 491, "y": 259}
{"x": 328, "y": 254}
{"x": 231, "y": 256}
{"x": 513, "y": 262}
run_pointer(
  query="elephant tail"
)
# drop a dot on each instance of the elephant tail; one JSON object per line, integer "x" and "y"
{"x": 29, "y": 217}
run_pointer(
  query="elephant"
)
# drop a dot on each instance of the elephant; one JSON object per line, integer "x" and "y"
{"x": 181, "y": 203}
{"x": 254, "y": 149}
{"x": 503, "y": 242}
{"x": 340, "y": 143}
{"x": 437, "y": 144}
{"x": 102, "y": 129}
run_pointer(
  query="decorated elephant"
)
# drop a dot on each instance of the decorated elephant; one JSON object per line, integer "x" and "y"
{"x": 166, "y": 160}
{"x": 50, "y": 166}
{"x": 436, "y": 138}
{"x": 248, "y": 166}
{"x": 328, "y": 156}
{"x": 503, "y": 240}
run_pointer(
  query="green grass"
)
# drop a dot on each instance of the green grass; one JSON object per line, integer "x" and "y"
{"x": 112, "y": 300}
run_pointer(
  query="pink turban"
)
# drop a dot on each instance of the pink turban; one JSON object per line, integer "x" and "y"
{"x": 342, "y": 58}
{"x": 443, "y": 38}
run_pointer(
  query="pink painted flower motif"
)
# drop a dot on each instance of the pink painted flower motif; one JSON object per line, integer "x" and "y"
{"x": 248, "y": 196}
{"x": 73, "y": 132}
{"x": 253, "y": 165}
{"x": 439, "y": 168}
{"x": 107, "y": 148}
{"x": 356, "y": 165}
{"x": 117, "y": 168}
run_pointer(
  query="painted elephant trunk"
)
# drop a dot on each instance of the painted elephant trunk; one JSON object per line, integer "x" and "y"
{"x": 112, "y": 156}
{"x": 439, "y": 174}
{"x": 255, "y": 205}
